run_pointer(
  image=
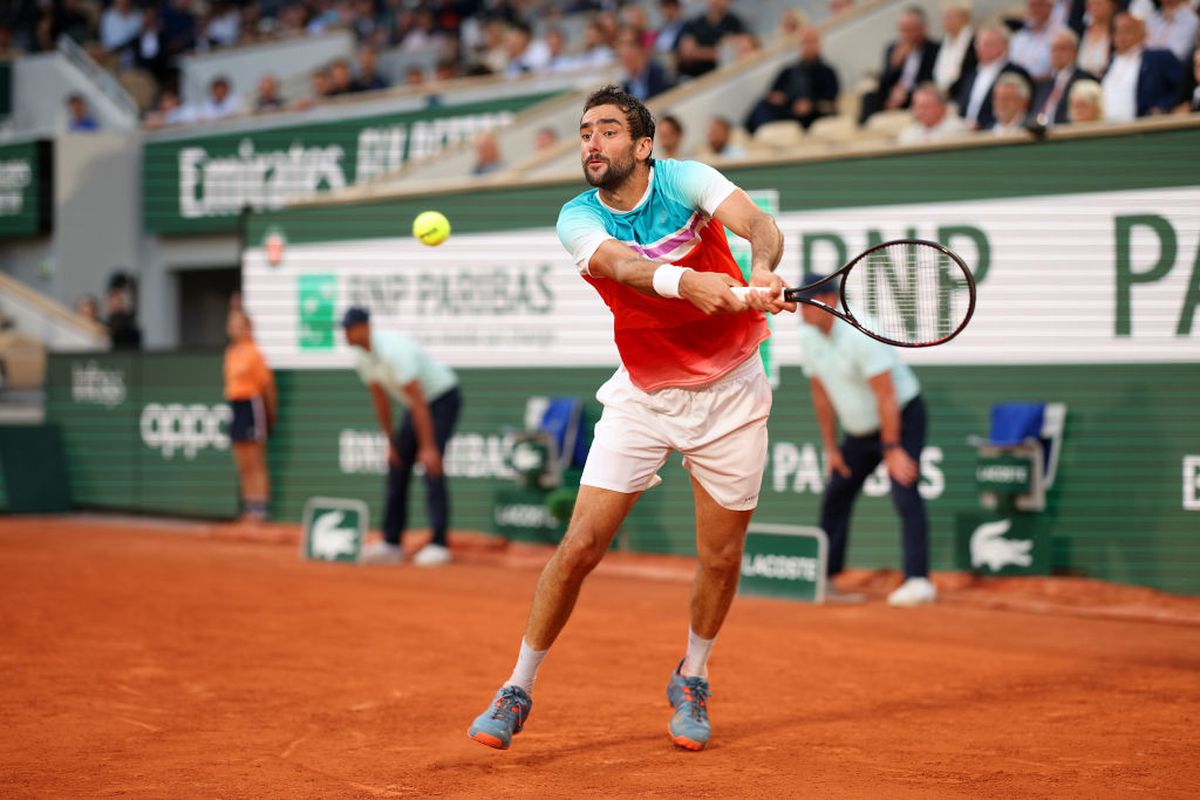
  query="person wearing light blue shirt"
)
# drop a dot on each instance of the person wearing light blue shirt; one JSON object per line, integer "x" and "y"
{"x": 863, "y": 386}
{"x": 394, "y": 367}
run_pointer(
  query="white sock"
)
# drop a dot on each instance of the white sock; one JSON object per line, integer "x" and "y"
{"x": 526, "y": 669}
{"x": 695, "y": 664}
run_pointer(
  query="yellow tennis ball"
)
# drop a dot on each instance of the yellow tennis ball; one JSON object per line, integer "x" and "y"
{"x": 431, "y": 228}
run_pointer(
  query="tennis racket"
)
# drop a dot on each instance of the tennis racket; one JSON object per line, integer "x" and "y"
{"x": 906, "y": 293}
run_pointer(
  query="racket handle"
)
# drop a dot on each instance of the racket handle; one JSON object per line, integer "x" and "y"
{"x": 741, "y": 292}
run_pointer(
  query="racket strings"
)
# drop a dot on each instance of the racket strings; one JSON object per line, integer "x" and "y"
{"x": 908, "y": 292}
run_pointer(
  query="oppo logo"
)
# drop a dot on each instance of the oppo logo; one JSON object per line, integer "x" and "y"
{"x": 176, "y": 428}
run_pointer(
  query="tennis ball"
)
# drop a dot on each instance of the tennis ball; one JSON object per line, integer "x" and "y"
{"x": 431, "y": 228}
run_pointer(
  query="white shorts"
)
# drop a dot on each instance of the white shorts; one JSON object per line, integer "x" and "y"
{"x": 720, "y": 429}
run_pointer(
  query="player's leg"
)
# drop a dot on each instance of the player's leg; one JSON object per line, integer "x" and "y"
{"x": 626, "y": 454}
{"x": 917, "y": 589}
{"x": 726, "y": 460}
{"x": 597, "y": 518}
{"x": 444, "y": 410}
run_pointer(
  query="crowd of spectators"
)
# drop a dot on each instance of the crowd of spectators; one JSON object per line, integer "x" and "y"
{"x": 1141, "y": 54}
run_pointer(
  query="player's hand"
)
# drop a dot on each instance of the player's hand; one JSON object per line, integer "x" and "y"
{"x": 900, "y": 466}
{"x": 771, "y": 300}
{"x": 431, "y": 459}
{"x": 835, "y": 463}
{"x": 709, "y": 292}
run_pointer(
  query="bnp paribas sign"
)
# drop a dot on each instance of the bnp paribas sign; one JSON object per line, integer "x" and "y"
{"x": 202, "y": 183}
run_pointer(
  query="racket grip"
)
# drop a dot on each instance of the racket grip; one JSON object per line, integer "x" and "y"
{"x": 741, "y": 292}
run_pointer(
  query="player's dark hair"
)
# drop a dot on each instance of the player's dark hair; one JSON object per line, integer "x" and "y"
{"x": 637, "y": 116}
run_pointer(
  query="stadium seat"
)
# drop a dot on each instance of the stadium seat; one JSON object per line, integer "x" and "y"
{"x": 888, "y": 123}
{"x": 834, "y": 129}
{"x": 780, "y": 135}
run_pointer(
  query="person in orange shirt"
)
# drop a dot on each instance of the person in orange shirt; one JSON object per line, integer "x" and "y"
{"x": 250, "y": 390}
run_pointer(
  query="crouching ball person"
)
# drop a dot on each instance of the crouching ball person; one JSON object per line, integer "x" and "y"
{"x": 650, "y": 238}
{"x": 393, "y": 367}
{"x": 250, "y": 390}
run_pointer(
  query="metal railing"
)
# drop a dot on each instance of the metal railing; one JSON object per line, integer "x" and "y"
{"x": 103, "y": 80}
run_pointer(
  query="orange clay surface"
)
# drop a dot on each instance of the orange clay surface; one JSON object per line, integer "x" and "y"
{"x": 171, "y": 660}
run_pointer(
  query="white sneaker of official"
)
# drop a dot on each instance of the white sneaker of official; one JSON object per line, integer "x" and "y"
{"x": 432, "y": 555}
{"x": 381, "y": 553}
{"x": 913, "y": 592}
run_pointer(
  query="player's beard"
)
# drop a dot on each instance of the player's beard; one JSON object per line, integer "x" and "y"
{"x": 616, "y": 174}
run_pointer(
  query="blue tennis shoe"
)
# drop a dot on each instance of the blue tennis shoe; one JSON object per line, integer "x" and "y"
{"x": 506, "y": 716}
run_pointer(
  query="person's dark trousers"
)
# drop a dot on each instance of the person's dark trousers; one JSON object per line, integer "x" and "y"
{"x": 862, "y": 455}
{"x": 444, "y": 410}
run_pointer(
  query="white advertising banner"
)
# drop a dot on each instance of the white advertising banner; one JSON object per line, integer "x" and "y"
{"x": 1088, "y": 278}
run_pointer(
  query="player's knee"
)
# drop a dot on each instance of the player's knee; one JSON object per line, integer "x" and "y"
{"x": 723, "y": 561}
{"x": 581, "y": 551}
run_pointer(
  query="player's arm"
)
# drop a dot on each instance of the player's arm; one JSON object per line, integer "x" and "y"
{"x": 742, "y": 215}
{"x": 383, "y": 413}
{"x": 422, "y": 419}
{"x": 707, "y": 291}
{"x": 900, "y": 465}
{"x": 827, "y": 422}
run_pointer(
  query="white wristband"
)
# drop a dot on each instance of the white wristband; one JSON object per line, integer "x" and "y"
{"x": 667, "y": 278}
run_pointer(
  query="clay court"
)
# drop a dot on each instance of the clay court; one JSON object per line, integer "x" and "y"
{"x": 186, "y": 662}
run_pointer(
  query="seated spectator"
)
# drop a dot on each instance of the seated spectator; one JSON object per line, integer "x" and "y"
{"x": 803, "y": 91}
{"x": 79, "y": 117}
{"x": 221, "y": 101}
{"x": 699, "y": 40}
{"x": 487, "y": 154}
{"x": 1173, "y": 27}
{"x": 8, "y": 48}
{"x": 596, "y": 52}
{"x": 974, "y": 97}
{"x": 1011, "y": 102}
{"x": 414, "y": 76}
{"x": 268, "y": 98}
{"x": 150, "y": 48}
{"x": 1190, "y": 96}
{"x": 368, "y": 79}
{"x": 933, "y": 118}
{"x": 88, "y": 308}
{"x": 1095, "y": 45}
{"x": 1030, "y": 47}
{"x": 318, "y": 89}
{"x": 119, "y": 26}
{"x": 737, "y": 47}
{"x": 123, "y": 331}
{"x": 1050, "y": 97}
{"x": 643, "y": 78}
{"x": 179, "y": 27}
{"x": 557, "y": 57}
{"x": 791, "y": 22}
{"x": 668, "y": 138}
{"x": 524, "y": 54}
{"x": 907, "y": 62}
{"x": 341, "y": 81}
{"x": 956, "y": 56}
{"x": 170, "y": 110}
{"x": 1139, "y": 82}
{"x": 720, "y": 139}
{"x": 446, "y": 69}
{"x": 224, "y": 24}
{"x": 633, "y": 18}
{"x": 544, "y": 139}
{"x": 671, "y": 22}
{"x": 1086, "y": 102}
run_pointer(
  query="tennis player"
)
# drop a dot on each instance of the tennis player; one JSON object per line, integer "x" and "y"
{"x": 650, "y": 237}
{"x": 250, "y": 390}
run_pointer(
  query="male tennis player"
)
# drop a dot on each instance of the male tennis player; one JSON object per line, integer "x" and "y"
{"x": 650, "y": 237}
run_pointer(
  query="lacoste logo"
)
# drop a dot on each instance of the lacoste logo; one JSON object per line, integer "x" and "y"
{"x": 990, "y": 548}
{"x": 329, "y": 541}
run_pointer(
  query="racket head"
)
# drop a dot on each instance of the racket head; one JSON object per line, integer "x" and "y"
{"x": 908, "y": 293}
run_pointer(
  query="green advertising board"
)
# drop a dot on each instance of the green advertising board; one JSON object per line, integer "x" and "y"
{"x": 201, "y": 184}
{"x": 1013, "y": 543}
{"x": 784, "y": 561}
{"x": 334, "y": 529}
{"x": 26, "y": 188}
{"x": 144, "y": 432}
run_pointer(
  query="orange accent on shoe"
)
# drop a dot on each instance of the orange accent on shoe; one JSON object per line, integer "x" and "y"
{"x": 684, "y": 742}
{"x": 489, "y": 740}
